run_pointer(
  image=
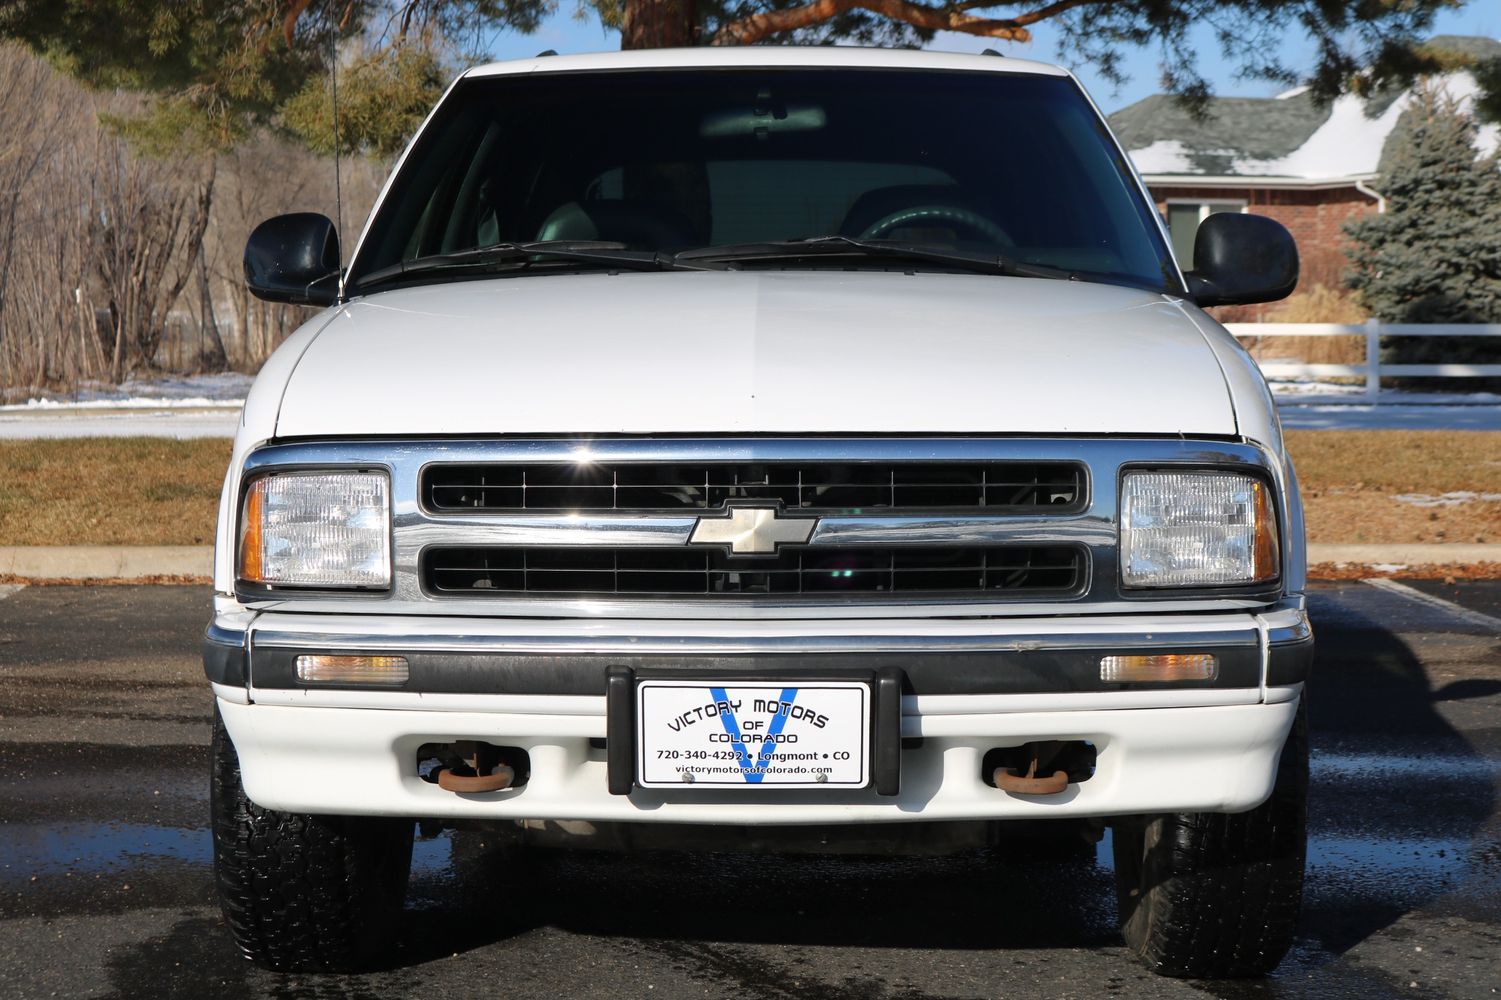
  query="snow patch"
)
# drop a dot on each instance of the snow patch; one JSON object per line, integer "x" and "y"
{"x": 1347, "y": 143}
{"x": 131, "y": 403}
{"x": 217, "y": 391}
{"x": 1464, "y": 88}
{"x": 1452, "y": 499}
{"x": 1291, "y": 386}
{"x": 1167, "y": 156}
{"x": 1310, "y": 386}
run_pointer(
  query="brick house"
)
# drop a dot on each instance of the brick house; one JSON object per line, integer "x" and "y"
{"x": 1311, "y": 168}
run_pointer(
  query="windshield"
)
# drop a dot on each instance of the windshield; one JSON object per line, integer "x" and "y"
{"x": 1012, "y": 166}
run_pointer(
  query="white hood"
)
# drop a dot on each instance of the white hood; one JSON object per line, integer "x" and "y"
{"x": 758, "y": 352}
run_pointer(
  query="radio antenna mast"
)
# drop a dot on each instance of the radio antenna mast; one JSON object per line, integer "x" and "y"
{"x": 333, "y": 75}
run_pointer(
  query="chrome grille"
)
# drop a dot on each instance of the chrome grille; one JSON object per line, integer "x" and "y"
{"x": 1089, "y": 525}
{"x": 587, "y": 571}
{"x": 845, "y": 487}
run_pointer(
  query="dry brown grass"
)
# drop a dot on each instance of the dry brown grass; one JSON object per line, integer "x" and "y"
{"x": 1321, "y": 304}
{"x": 110, "y": 491}
{"x": 1350, "y": 480}
{"x": 1309, "y": 350}
{"x": 143, "y": 491}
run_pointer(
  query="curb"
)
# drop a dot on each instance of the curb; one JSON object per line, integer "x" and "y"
{"x": 105, "y": 562}
{"x": 132, "y": 562}
{"x": 1417, "y": 554}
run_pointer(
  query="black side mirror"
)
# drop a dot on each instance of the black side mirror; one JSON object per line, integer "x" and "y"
{"x": 294, "y": 258}
{"x": 1240, "y": 259}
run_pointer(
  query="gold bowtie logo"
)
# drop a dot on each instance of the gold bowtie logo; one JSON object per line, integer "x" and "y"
{"x": 752, "y": 530}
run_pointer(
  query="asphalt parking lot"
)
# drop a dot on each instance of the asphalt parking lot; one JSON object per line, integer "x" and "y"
{"x": 106, "y": 891}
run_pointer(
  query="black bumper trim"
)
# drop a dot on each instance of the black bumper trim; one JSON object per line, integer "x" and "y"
{"x": 886, "y": 761}
{"x": 1049, "y": 671}
{"x": 620, "y": 724}
{"x": 224, "y": 657}
{"x": 1289, "y": 662}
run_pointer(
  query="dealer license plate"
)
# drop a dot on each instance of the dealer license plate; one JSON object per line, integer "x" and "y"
{"x": 698, "y": 733}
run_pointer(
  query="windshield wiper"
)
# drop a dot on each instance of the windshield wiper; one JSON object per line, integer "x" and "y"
{"x": 850, "y": 246}
{"x": 524, "y": 254}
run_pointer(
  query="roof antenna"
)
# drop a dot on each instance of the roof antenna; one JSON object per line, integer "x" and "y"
{"x": 990, "y": 52}
{"x": 333, "y": 75}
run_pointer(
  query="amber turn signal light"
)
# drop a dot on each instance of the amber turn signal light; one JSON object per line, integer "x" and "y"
{"x": 1266, "y": 556}
{"x": 252, "y": 534}
{"x": 353, "y": 669}
{"x": 1159, "y": 668}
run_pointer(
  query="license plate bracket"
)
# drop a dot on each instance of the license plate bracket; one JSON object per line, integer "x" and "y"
{"x": 882, "y": 728}
{"x": 753, "y": 734}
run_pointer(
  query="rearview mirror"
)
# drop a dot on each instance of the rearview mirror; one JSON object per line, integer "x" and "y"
{"x": 294, "y": 258}
{"x": 1241, "y": 259}
{"x": 763, "y": 121}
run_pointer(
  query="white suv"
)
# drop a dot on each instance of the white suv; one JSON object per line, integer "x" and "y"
{"x": 773, "y": 438}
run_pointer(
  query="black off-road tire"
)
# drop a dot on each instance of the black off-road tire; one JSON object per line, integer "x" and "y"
{"x": 304, "y": 893}
{"x": 1211, "y": 895}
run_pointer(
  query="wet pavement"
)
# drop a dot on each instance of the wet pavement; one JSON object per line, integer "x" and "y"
{"x": 105, "y": 888}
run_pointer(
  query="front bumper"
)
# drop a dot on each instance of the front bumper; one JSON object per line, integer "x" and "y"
{"x": 968, "y": 686}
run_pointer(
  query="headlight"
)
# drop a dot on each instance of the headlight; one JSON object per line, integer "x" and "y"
{"x": 1196, "y": 529}
{"x": 317, "y": 529}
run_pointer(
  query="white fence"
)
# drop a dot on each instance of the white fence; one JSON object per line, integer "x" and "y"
{"x": 1372, "y": 370}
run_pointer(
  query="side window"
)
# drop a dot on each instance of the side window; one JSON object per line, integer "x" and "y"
{"x": 1183, "y": 218}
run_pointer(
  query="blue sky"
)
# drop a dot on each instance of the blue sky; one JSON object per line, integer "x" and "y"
{"x": 569, "y": 35}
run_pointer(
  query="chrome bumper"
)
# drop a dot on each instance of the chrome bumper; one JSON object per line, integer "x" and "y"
{"x": 492, "y": 656}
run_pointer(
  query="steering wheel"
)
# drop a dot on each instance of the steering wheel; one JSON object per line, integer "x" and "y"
{"x": 918, "y": 214}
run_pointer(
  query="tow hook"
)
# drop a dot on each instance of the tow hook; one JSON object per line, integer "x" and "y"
{"x": 479, "y": 772}
{"x": 1008, "y": 780}
{"x": 500, "y": 778}
{"x": 1062, "y": 763}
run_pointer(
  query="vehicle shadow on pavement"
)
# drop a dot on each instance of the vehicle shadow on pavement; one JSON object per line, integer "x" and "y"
{"x": 1398, "y": 794}
{"x": 1011, "y": 895}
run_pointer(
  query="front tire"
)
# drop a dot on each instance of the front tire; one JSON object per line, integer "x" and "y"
{"x": 1214, "y": 895}
{"x": 304, "y": 893}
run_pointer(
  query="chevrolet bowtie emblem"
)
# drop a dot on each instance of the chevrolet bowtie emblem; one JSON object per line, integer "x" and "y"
{"x": 750, "y": 531}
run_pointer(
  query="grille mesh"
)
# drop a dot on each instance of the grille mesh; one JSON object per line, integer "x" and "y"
{"x": 993, "y": 487}
{"x": 711, "y": 572}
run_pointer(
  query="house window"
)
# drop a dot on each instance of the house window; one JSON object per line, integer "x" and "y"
{"x": 1183, "y": 218}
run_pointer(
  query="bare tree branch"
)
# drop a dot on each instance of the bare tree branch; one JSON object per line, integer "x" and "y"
{"x": 758, "y": 27}
{"x": 289, "y": 23}
{"x": 1033, "y": 16}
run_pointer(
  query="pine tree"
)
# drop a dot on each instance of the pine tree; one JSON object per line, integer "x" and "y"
{"x": 1435, "y": 255}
